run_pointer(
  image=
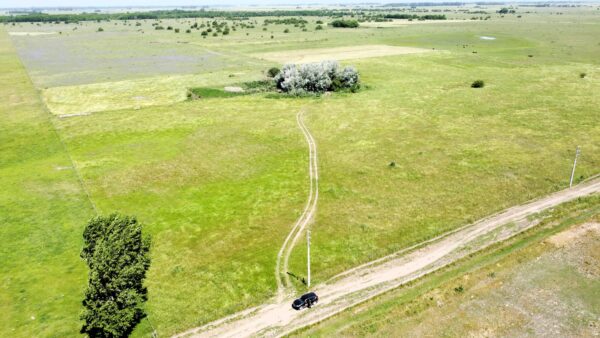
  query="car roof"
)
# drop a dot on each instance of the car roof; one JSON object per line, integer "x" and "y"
{"x": 308, "y": 295}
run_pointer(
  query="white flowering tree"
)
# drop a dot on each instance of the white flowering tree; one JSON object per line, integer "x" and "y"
{"x": 316, "y": 78}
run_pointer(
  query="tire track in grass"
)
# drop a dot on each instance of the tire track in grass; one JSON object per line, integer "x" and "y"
{"x": 281, "y": 267}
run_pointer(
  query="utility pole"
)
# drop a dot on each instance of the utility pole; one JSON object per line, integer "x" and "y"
{"x": 308, "y": 254}
{"x": 574, "y": 165}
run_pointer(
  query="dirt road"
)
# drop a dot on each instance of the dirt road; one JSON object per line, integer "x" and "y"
{"x": 372, "y": 279}
{"x": 281, "y": 267}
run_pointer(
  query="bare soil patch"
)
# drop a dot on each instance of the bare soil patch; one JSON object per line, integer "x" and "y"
{"x": 567, "y": 237}
{"x": 30, "y": 33}
{"x": 338, "y": 53}
{"x": 233, "y": 89}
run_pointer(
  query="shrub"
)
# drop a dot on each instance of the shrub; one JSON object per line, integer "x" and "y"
{"x": 349, "y": 77}
{"x": 286, "y": 30}
{"x": 316, "y": 78}
{"x": 273, "y": 71}
{"x": 318, "y": 28}
{"x": 176, "y": 30}
{"x": 582, "y": 75}
{"x": 477, "y": 84}
{"x": 100, "y": 29}
{"x": 341, "y": 23}
{"x": 118, "y": 257}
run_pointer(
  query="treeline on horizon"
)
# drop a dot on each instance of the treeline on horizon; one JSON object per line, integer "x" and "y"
{"x": 440, "y": 4}
{"x": 233, "y": 15}
{"x": 167, "y": 14}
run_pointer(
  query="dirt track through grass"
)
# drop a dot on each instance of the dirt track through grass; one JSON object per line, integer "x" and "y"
{"x": 306, "y": 216}
{"x": 278, "y": 318}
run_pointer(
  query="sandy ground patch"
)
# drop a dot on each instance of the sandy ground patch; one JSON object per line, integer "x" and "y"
{"x": 338, "y": 53}
{"x": 233, "y": 89}
{"x": 566, "y": 237}
{"x": 400, "y": 23}
{"x": 30, "y": 33}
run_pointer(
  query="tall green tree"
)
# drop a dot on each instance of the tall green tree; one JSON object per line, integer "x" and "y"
{"x": 117, "y": 255}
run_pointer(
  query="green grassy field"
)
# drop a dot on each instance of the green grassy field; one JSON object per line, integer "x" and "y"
{"x": 527, "y": 286}
{"x": 42, "y": 206}
{"x": 219, "y": 182}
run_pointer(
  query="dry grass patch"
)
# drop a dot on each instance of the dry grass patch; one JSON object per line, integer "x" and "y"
{"x": 401, "y": 22}
{"x": 338, "y": 53}
{"x": 81, "y": 100}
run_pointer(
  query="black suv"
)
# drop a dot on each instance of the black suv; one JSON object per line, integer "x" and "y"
{"x": 307, "y": 300}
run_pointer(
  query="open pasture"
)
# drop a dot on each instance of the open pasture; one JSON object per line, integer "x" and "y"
{"x": 219, "y": 182}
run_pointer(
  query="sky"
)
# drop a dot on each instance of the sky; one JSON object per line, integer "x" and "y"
{"x": 142, "y": 3}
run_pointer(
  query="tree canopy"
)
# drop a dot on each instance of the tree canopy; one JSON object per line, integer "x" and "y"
{"x": 117, "y": 255}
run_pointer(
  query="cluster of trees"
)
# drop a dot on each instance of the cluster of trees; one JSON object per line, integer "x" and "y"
{"x": 507, "y": 11}
{"x": 316, "y": 78}
{"x": 416, "y": 17}
{"x": 286, "y": 21}
{"x": 117, "y": 255}
{"x": 341, "y": 23}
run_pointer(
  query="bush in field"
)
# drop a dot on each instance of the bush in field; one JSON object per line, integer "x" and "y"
{"x": 318, "y": 28}
{"x": 273, "y": 71}
{"x": 582, "y": 75}
{"x": 100, "y": 29}
{"x": 117, "y": 255}
{"x": 316, "y": 78}
{"x": 477, "y": 84}
{"x": 348, "y": 76}
{"x": 341, "y": 23}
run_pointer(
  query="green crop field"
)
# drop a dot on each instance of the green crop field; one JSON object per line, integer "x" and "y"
{"x": 101, "y": 119}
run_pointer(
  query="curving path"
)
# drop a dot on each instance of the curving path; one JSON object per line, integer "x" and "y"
{"x": 281, "y": 267}
{"x": 367, "y": 281}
